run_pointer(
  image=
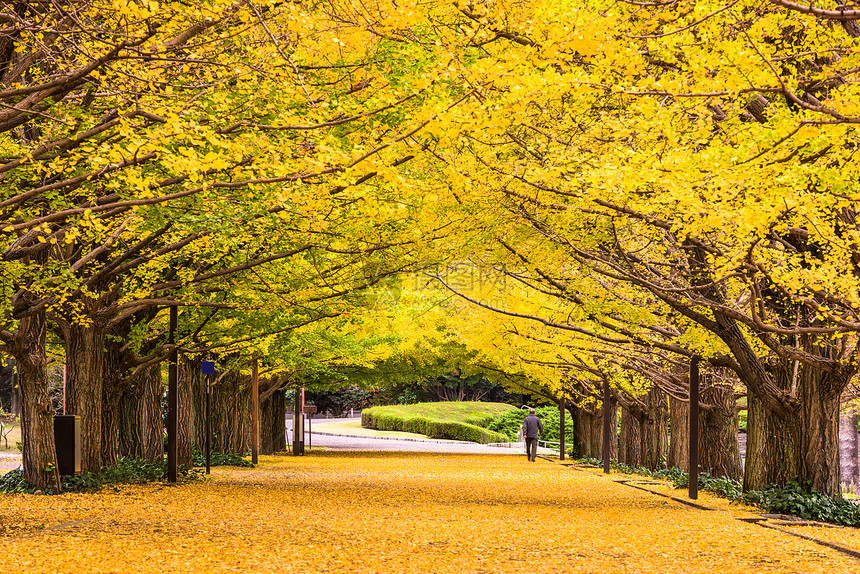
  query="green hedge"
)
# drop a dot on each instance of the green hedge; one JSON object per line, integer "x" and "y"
{"x": 509, "y": 423}
{"x": 381, "y": 418}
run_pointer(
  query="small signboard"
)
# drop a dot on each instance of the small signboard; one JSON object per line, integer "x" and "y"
{"x": 208, "y": 367}
{"x": 310, "y": 409}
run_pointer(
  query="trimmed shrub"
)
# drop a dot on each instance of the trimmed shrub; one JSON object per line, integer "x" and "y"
{"x": 509, "y": 423}
{"x": 388, "y": 419}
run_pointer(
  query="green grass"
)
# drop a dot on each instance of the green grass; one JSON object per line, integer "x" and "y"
{"x": 465, "y": 421}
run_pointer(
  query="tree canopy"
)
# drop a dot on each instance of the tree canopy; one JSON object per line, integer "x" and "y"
{"x": 655, "y": 181}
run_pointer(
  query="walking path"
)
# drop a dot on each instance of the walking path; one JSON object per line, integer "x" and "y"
{"x": 380, "y": 512}
{"x": 347, "y": 434}
{"x": 9, "y": 460}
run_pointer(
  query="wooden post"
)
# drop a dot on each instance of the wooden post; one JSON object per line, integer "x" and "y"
{"x": 255, "y": 412}
{"x": 694, "y": 428}
{"x": 561, "y": 428}
{"x": 607, "y": 426}
{"x": 172, "y": 397}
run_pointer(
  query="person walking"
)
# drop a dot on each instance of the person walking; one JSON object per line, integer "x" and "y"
{"x": 532, "y": 427}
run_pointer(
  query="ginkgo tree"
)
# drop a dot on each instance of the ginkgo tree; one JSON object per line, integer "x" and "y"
{"x": 699, "y": 156}
{"x": 152, "y": 149}
{"x": 702, "y": 155}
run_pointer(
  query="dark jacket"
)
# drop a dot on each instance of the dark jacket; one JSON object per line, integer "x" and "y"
{"x": 532, "y": 427}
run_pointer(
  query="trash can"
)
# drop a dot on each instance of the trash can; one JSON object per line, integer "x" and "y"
{"x": 67, "y": 437}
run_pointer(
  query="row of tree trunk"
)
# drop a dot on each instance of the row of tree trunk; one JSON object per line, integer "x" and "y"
{"x": 140, "y": 429}
{"x": 654, "y": 433}
{"x": 124, "y": 416}
{"x": 654, "y": 430}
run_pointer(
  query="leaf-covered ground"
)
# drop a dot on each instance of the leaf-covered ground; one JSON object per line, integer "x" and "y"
{"x": 399, "y": 512}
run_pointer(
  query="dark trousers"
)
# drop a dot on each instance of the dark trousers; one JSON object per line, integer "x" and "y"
{"x": 531, "y": 447}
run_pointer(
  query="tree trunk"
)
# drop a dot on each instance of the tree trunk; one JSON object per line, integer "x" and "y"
{"x": 597, "y": 431}
{"x": 198, "y": 407}
{"x": 272, "y": 417}
{"x": 582, "y": 428}
{"x": 231, "y": 414}
{"x": 141, "y": 434}
{"x": 129, "y": 423}
{"x": 151, "y": 414}
{"x": 279, "y": 422}
{"x": 630, "y": 442}
{"x": 15, "y": 402}
{"x": 820, "y": 394}
{"x": 771, "y": 452}
{"x": 267, "y": 424}
{"x": 679, "y": 440}
{"x": 110, "y": 427}
{"x": 719, "y": 453}
{"x": 803, "y": 444}
{"x": 655, "y": 439}
{"x": 189, "y": 373}
{"x": 84, "y": 361}
{"x": 37, "y": 421}
{"x": 113, "y": 384}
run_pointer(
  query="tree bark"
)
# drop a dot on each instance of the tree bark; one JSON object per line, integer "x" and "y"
{"x": 151, "y": 414}
{"x": 198, "y": 407}
{"x": 279, "y": 422}
{"x": 141, "y": 434}
{"x": 679, "y": 442}
{"x": 231, "y": 414}
{"x": 267, "y": 423}
{"x": 37, "y": 421}
{"x": 655, "y": 438}
{"x": 719, "y": 453}
{"x": 582, "y": 428}
{"x": 597, "y": 431}
{"x": 113, "y": 384}
{"x": 84, "y": 361}
{"x": 129, "y": 420}
{"x": 188, "y": 377}
{"x": 771, "y": 452}
{"x": 272, "y": 416}
{"x": 802, "y": 443}
{"x": 110, "y": 427}
{"x": 630, "y": 441}
{"x": 818, "y": 433}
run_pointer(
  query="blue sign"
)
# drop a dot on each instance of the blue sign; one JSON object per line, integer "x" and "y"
{"x": 208, "y": 367}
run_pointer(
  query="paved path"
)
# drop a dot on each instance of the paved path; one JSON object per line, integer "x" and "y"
{"x": 405, "y": 513}
{"x": 340, "y": 439}
{"x": 345, "y": 442}
{"x": 9, "y": 460}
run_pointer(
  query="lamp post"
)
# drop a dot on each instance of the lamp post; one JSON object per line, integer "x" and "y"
{"x": 172, "y": 397}
{"x": 208, "y": 369}
{"x": 694, "y": 428}
{"x": 607, "y": 426}
{"x": 255, "y": 412}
